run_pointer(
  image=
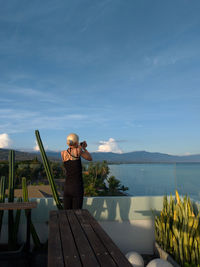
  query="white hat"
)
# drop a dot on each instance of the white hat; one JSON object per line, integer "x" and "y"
{"x": 72, "y": 139}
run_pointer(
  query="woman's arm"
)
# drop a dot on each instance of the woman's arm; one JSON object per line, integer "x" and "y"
{"x": 84, "y": 153}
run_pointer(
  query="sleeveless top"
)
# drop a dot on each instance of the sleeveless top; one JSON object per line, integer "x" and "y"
{"x": 74, "y": 181}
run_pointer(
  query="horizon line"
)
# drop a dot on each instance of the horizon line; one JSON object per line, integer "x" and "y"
{"x": 58, "y": 151}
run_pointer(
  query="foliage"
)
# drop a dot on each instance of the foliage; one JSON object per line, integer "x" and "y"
{"x": 57, "y": 170}
{"x": 4, "y": 169}
{"x": 97, "y": 182}
{"x": 34, "y": 172}
{"x": 115, "y": 186}
{"x": 177, "y": 230}
{"x": 95, "y": 175}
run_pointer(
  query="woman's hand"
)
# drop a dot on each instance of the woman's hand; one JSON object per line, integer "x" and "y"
{"x": 85, "y": 154}
{"x": 84, "y": 145}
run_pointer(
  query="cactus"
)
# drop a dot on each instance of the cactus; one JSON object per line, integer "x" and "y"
{"x": 11, "y": 241}
{"x": 2, "y": 199}
{"x": 2, "y": 189}
{"x": 34, "y": 234}
{"x": 25, "y": 190}
{"x": 11, "y": 175}
{"x": 13, "y": 222}
{"x": 48, "y": 171}
{"x": 177, "y": 230}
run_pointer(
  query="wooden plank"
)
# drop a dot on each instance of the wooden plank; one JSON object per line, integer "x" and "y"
{"x": 18, "y": 205}
{"x": 55, "y": 254}
{"x": 70, "y": 253}
{"x": 86, "y": 253}
{"x": 104, "y": 258}
{"x": 114, "y": 251}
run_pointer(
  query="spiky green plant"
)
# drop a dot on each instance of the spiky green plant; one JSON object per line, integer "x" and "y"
{"x": 11, "y": 241}
{"x": 48, "y": 171}
{"x": 34, "y": 234}
{"x": 11, "y": 176}
{"x": 2, "y": 199}
{"x": 177, "y": 230}
{"x": 13, "y": 221}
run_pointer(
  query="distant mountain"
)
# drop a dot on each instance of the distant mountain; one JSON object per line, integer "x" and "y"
{"x": 18, "y": 155}
{"x": 131, "y": 157}
{"x": 143, "y": 156}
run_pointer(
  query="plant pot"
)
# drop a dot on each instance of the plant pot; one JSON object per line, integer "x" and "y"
{"x": 160, "y": 253}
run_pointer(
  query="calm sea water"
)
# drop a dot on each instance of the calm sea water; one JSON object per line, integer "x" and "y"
{"x": 159, "y": 179}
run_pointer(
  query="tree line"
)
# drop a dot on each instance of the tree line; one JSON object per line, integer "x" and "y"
{"x": 97, "y": 181}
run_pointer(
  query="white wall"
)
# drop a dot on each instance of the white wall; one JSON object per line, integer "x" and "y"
{"x": 127, "y": 220}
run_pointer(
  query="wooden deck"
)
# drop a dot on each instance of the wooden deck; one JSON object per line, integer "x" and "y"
{"x": 76, "y": 239}
{"x": 18, "y": 205}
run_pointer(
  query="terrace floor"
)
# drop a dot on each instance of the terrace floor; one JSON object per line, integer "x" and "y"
{"x": 39, "y": 259}
{"x": 34, "y": 259}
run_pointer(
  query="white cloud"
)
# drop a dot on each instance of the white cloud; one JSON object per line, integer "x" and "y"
{"x": 36, "y": 147}
{"x": 5, "y": 140}
{"x": 109, "y": 146}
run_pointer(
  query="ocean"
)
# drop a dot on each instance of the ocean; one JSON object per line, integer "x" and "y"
{"x": 153, "y": 179}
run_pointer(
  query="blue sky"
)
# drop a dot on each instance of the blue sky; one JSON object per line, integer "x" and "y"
{"x": 123, "y": 74}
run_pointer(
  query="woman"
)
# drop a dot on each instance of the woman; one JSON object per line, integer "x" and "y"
{"x": 73, "y": 187}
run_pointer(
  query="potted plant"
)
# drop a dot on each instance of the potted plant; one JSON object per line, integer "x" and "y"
{"x": 177, "y": 232}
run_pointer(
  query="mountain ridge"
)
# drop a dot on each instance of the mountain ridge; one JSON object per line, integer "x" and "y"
{"x": 129, "y": 157}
